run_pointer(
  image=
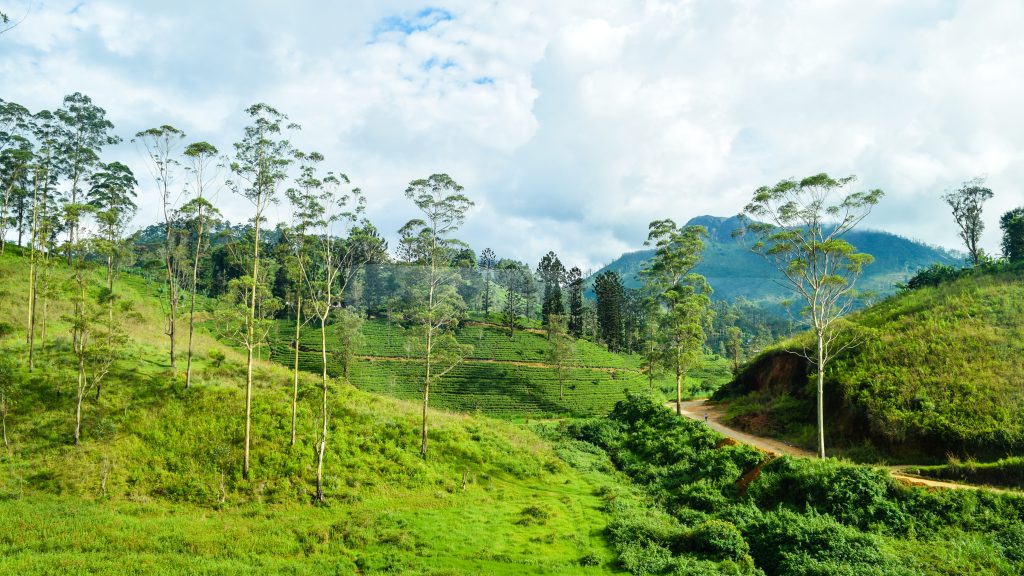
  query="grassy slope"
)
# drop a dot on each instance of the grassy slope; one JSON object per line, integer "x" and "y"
{"x": 940, "y": 370}
{"x": 505, "y": 377}
{"x": 142, "y": 492}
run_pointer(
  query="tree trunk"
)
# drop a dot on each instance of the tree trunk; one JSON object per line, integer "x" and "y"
{"x": 110, "y": 307}
{"x": 295, "y": 384}
{"x": 679, "y": 389}
{"x": 250, "y": 343}
{"x": 821, "y": 395}
{"x": 322, "y": 448}
{"x": 80, "y": 395}
{"x": 429, "y": 350}
{"x": 172, "y": 293}
{"x": 192, "y": 302}
{"x": 32, "y": 279}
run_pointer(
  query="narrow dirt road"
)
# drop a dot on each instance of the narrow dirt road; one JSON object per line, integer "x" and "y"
{"x": 713, "y": 414}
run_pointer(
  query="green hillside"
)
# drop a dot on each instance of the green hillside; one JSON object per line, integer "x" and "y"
{"x": 734, "y": 271}
{"x": 156, "y": 487}
{"x": 504, "y": 377}
{"x": 938, "y": 370}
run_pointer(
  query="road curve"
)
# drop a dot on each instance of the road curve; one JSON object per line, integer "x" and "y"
{"x": 712, "y": 415}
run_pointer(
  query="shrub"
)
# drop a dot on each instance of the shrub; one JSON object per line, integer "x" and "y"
{"x": 216, "y": 357}
{"x": 1011, "y": 539}
{"x": 533, "y": 515}
{"x": 718, "y": 539}
{"x": 784, "y": 542}
{"x": 857, "y": 495}
{"x": 590, "y": 558}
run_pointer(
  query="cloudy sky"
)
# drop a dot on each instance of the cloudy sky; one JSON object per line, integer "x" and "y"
{"x": 572, "y": 124}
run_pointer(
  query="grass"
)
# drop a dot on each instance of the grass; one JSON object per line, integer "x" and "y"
{"x": 1006, "y": 472}
{"x": 156, "y": 487}
{"x": 936, "y": 370}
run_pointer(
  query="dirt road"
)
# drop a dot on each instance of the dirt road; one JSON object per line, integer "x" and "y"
{"x": 713, "y": 414}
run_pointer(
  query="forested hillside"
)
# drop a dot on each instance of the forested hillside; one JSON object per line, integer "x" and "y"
{"x": 736, "y": 272}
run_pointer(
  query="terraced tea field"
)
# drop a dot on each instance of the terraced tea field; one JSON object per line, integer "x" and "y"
{"x": 502, "y": 376}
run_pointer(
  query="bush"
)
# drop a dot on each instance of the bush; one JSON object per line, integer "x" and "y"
{"x": 718, "y": 539}
{"x": 856, "y": 495}
{"x": 533, "y": 515}
{"x": 1011, "y": 540}
{"x": 590, "y": 558}
{"x": 216, "y": 357}
{"x": 784, "y": 542}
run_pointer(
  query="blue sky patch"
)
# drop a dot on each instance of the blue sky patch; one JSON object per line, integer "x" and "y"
{"x": 420, "y": 21}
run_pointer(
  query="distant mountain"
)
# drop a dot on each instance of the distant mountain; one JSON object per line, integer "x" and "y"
{"x": 734, "y": 271}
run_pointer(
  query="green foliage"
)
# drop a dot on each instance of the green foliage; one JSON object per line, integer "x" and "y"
{"x": 1012, "y": 224}
{"x": 683, "y": 296}
{"x": 216, "y": 357}
{"x": 719, "y": 539}
{"x": 966, "y": 203}
{"x": 933, "y": 371}
{"x": 789, "y": 516}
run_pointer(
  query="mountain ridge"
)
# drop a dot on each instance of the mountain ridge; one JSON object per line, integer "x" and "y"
{"x": 734, "y": 271}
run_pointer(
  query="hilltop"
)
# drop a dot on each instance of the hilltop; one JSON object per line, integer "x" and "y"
{"x": 736, "y": 272}
{"x": 936, "y": 370}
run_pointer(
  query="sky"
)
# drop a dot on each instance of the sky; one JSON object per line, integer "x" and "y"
{"x": 571, "y": 124}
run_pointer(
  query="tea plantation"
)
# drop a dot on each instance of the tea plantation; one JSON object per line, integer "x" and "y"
{"x": 502, "y": 376}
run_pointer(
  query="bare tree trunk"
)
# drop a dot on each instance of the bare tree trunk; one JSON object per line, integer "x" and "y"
{"x": 192, "y": 302}
{"x": 32, "y": 278}
{"x": 426, "y": 397}
{"x": 679, "y": 388}
{"x": 110, "y": 309}
{"x": 429, "y": 350}
{"x": 31, "y": 335}
{"x": 80, "y": 395}
{"x": 46, "y": 291}
{"x": 295, "y": 383}
{"x": 172, "y": 314}
{"x": 250, "y": 343}
{"x": 821, "y": 394}
{"x": 322, "y": 448}
{"x": 3, "y": 418}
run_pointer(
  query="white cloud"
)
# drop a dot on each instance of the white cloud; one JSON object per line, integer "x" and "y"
{"x": 572, "y": 124}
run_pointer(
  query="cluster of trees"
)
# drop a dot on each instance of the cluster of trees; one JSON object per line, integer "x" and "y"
{"x": 327, "y": 266}
{"x": 967, "y": 203}
{"x": 64, "y": 202}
